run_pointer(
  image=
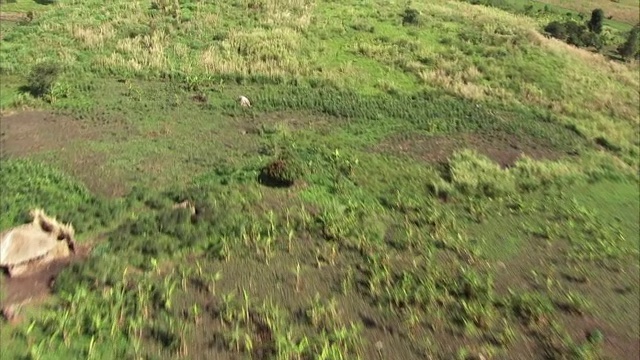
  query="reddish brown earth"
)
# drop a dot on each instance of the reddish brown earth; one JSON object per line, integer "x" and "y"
{"x": 30, "y": 132}
{"x": 505, "y": 149}
{"x": 36, "y": 133}
{"x": 36, "y": 283}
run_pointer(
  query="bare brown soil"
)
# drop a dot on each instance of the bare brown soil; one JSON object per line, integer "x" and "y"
{"x": 36, "y": 283}
{"x": 30, "y": 132}
{"x": 505, "y": 149}
{"x": 34, "y": 133}
{"x": 621, "y": 341}
{"x": 12, "y": 16}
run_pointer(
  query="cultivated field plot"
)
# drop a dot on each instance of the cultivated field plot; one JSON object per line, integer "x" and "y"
{"x": 438, "y": 180}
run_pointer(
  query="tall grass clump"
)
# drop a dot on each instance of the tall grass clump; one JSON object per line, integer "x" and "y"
{"x": 530, "y": 174}
{"x": 474, "y": 174}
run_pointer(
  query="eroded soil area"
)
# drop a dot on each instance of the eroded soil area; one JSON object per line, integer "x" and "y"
{"x": 503, "y": 148}
{"x": 30, "y": 132}
{"x": 36, "y": 283}
{"x": 41, "y": 134}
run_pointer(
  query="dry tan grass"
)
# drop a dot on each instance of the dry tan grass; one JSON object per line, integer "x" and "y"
{"x": 91, "y": 36}
{"x": 627, "y": 11}
{"x": 147, "y": 50}
{"x": 614, "y": 80}
{"x": 269, "y": 52}
{"x": 462, "y": 82}
{"x": 626, "y": 73}
{"x": 480, "y": 15}
{"x": 294, "y": 14}
{"x": 597, "y": 83}
{"x": 598, "y": 96}
{"x": 202, "y": 22}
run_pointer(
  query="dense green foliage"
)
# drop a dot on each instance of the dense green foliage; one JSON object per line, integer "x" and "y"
{"x": 596, "y": 21}
{"x": 631, "y": 47}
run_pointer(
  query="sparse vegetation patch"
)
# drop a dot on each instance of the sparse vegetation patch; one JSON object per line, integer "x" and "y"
{"x": 424, "y": 180}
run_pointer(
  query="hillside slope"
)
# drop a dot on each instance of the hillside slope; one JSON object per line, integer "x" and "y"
{"x": 440, "y": 182}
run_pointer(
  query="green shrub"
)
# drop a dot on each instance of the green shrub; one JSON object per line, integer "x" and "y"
{"x": 629, "y": 48}
{"x": 42, "y": 78}
{"x": 595, "y": 23}
{"x": 411, "y": 17}
{"x": 556, "y": 29}
{"x": 28, "y": 185}
{"x": 574, "y": 34}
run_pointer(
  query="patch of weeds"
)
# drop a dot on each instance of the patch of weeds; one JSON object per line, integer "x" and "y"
{"x": 474, "y": 174}
{"x": 557, "y": 344}
{"x": 593, "y": 240}
{"x": 474, "y": 296}
{"x": 532, "y": 308}
{"x": 471, "y": 285}
{"x": 101, "y": 270}
{"x": 574, "y": 303}
{"x": 410, "y": 289}
{"x": 200, "y": 225}
{"x": 502, "y": 335}
{"x": 595, "y": 336}
{"x": 363, "y": 26}
{"x": 323, "y": 315}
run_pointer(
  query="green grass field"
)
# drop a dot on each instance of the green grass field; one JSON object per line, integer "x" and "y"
{"x": 462, "y": 188}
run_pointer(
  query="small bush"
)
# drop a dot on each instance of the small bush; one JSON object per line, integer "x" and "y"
{"x": 42, "y": 78}
{"x": 411, "y": 17}
{"x": 574, "y": 34}
{"x": 595, "y": 23}
{"x": 557, "y": 30}
{"x": 282, "y": 172}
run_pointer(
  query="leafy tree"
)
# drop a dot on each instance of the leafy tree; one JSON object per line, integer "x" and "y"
{"x": 595, "y": 23}
{"x": 629, "y": 48}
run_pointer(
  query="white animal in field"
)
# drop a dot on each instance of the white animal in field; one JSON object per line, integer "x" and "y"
{"x": 244, "y": 102}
